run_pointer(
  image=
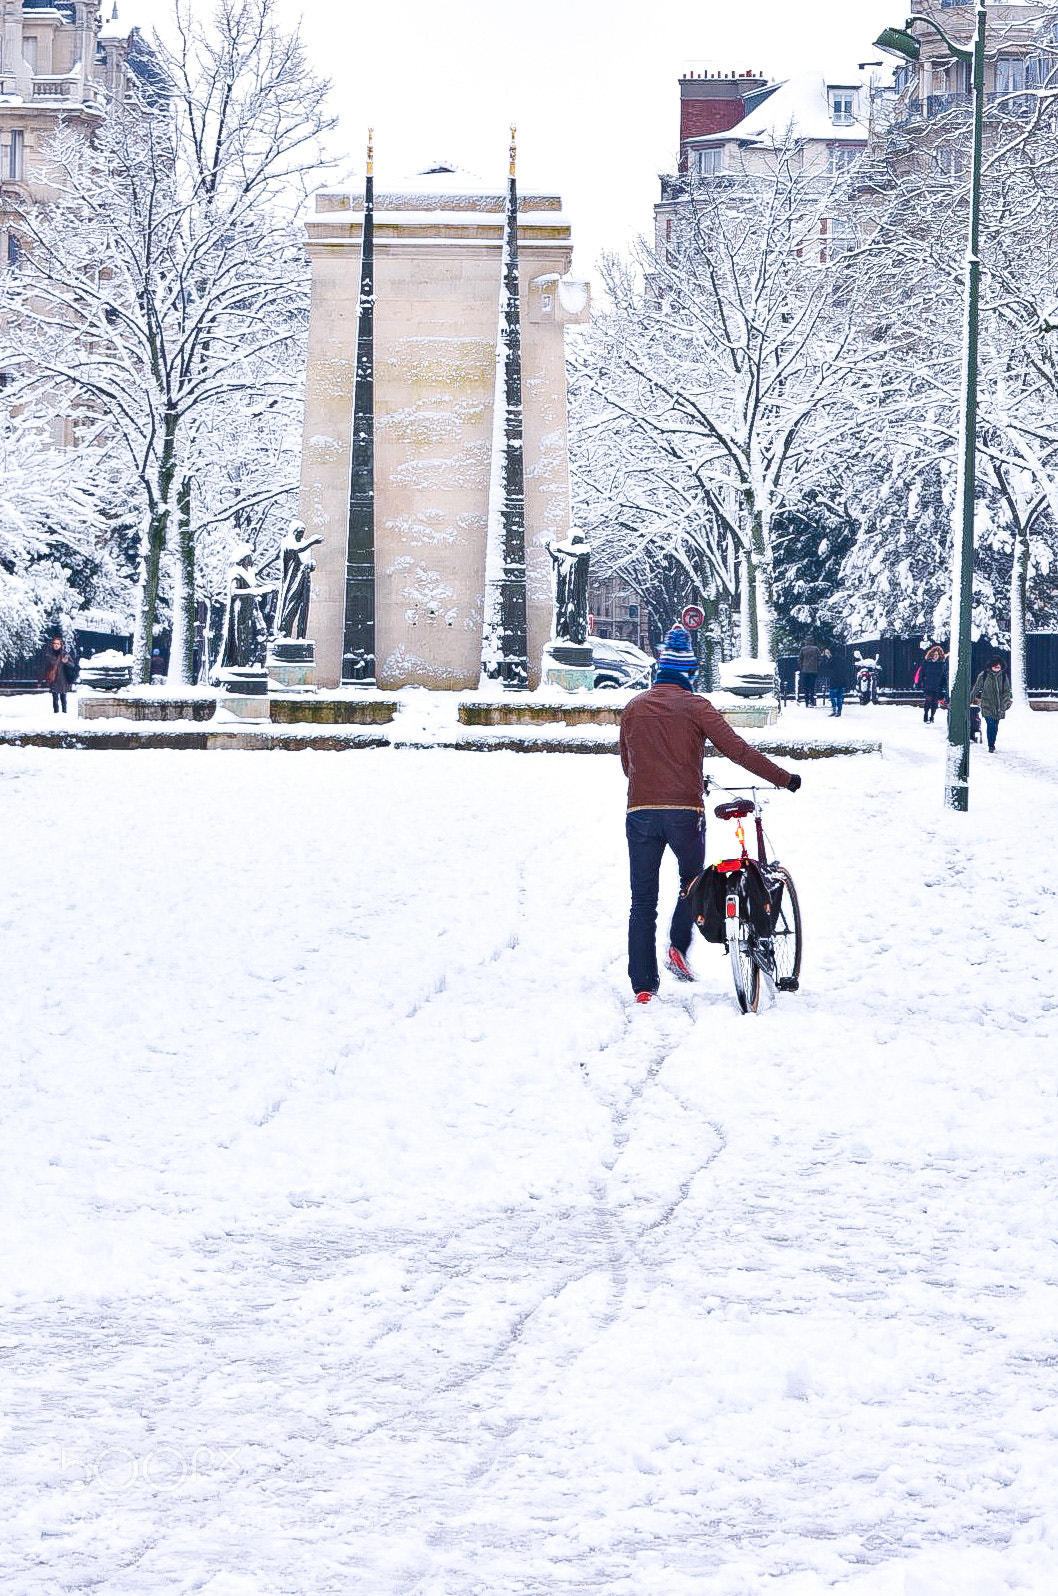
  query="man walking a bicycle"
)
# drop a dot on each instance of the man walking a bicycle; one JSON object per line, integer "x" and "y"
{"x": 663, "y": 736}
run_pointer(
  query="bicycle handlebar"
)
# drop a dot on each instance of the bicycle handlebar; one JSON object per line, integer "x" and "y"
{"x": 709, "y": 782}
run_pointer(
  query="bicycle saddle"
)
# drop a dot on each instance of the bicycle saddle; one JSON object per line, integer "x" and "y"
{"x": 737, "y": 810}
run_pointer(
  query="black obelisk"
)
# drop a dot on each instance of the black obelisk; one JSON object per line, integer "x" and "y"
{"x": 358, "y": 650}
{"x": 504, "y": 642}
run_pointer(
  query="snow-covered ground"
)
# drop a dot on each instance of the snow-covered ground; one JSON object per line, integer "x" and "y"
{"x": 363, "y": 1237}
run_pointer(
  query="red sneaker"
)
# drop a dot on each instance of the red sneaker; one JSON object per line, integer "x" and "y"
{"x": 644, "y": 997}
{"x": 679, "y": 966}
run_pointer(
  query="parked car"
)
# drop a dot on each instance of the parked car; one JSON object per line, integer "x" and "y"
{"x": 620, "y": 664}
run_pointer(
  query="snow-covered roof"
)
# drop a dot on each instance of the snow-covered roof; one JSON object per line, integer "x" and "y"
{"x": 441, "y": 178}
{"x": 119, "y": 17}
{"x": 802, "y": 104}
{"x": 440, "y": 187}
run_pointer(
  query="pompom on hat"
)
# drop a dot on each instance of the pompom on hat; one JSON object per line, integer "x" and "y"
{"x": 676, "y": 652}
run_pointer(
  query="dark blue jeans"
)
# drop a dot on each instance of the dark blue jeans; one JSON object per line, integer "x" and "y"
{"x": 991, "y": 729}
{"x": 837, "y": 699}
{"x": 649, "y": 832}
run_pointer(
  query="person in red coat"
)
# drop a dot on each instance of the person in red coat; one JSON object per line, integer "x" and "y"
{"x": 663, "y": 736}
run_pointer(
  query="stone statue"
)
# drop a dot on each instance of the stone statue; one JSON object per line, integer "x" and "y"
{"x": 245, "y": 632}
{"x": 571, "y": 560}
{"x": 292, "y": 610}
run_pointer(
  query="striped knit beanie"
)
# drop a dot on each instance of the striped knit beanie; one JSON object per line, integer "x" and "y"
{"x": 677, "y": 653}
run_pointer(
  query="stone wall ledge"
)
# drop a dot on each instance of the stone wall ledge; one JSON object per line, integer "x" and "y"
{"x": 297, "y": 709}
{"x": 233, "y": 737}
{"x": 264, "y": 738}
{"x": 506, "y": 713}
{"x": 303, "y": 710}
{"x": 118, "y": 706}
{"x": 515, "y": 712}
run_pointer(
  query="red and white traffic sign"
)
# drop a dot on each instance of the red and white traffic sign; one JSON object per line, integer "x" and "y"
{"x": 693, "y": 617}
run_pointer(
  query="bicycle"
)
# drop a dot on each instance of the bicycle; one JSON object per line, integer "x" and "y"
{"x": 761, "y": 911}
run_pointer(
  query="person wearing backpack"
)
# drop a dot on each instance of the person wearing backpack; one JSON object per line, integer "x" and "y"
{"x": 992, "y": 691}
{"x": 663, "y": 736}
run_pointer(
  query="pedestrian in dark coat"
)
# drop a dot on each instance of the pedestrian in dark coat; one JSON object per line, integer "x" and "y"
{"x": 932, "y": 678}
{"x": 992, "y": 691}
{"x": 833, "y": 667}
{"x": 58, "y": 673}
{"x": 808, "y": 665}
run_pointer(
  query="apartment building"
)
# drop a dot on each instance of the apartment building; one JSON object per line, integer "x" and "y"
{"x": 617, "y": 611}
{"x": 61, "y": 61}
{"x": 730, "y": 127}
{"x": 1016, "y": 60}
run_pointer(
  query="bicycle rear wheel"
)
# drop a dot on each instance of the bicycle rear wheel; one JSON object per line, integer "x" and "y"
{"x": 786, "y": 938}
{"x": 745, "y": 971}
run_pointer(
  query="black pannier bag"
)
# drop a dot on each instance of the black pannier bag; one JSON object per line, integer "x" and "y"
{"x": 761, "y": 897}
{"x": 707, "y": 894}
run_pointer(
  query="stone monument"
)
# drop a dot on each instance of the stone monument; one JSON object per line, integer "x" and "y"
{"x": 436, "y": 243}
{"x": 242, "y": 674}
{"x": 567, "y": 660}
{"x": 292, "y": 656}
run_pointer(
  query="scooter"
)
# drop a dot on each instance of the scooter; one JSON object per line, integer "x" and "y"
{"x": 867, "y": 673}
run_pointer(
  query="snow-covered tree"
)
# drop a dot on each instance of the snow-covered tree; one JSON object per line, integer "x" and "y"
{"x": 56, "y": 552}
{"x": 813, "y": 537}
{"x": 165, "y": 286}
{"x": 646, "y": 517}
{"x": 899, "y": 572}
{"x": 738, "y": 362}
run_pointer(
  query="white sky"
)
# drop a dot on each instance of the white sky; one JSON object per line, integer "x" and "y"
{"x": 592, "y": 84}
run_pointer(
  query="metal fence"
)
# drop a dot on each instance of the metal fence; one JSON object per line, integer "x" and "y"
{"x": 24, "y": 674}
{"x": 900, "y": 658}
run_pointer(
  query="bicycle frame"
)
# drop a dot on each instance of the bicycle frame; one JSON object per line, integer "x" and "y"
{"x": 740, "y": 830}
{"x": 750, "y": 953}
{"x": 758, "y": 821}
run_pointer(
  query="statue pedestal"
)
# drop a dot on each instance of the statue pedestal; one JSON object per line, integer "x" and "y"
{"x": 244, "y": 691}
{"x": 292, "y": 663}
{"x": 568, "y": 665}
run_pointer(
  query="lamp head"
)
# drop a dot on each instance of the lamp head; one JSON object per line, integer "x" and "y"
{"x": 898, "y": 42}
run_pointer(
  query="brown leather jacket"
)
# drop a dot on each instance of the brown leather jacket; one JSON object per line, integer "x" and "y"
{"x": 663, "y": 736}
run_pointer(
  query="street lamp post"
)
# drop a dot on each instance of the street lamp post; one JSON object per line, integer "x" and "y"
{"x": 901, "y": 42}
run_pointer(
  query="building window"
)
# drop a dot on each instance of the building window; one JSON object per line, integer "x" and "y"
{"x": 29, "y": 51}
{"x": 1038, "y": 70}
{"x": 841, "y": 107}
{"x": 14, "y": 249}
{"x": 949, "y": 162}
{"x": 843, "y": 157}
{"x": 707, "y": 162}
{"x": 1010, "y": 74}
{"x": 841, "y": 239}
{"x": 16, "y": 155}
{"x": 953, "y": 78}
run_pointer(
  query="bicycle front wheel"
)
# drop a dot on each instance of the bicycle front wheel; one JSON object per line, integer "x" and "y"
{"x": 786, "y": 938}
{"x": 745, "y": 972}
